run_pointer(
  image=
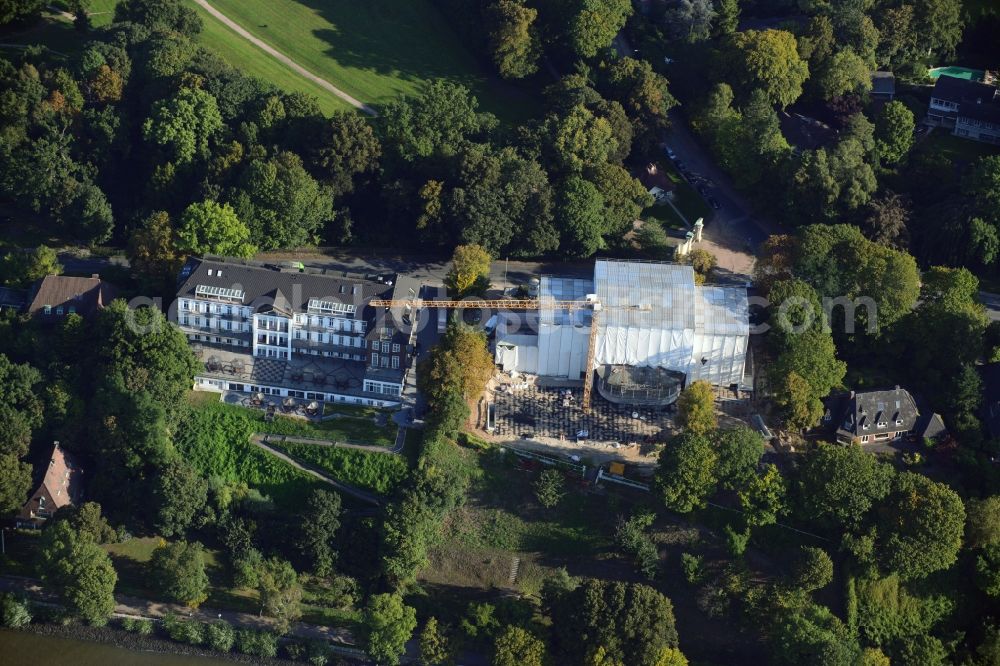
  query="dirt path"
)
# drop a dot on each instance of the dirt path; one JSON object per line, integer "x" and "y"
{"x": 281, "y": 57}
{"x": 363, "y": 495}
{"x": 134, "y": 607}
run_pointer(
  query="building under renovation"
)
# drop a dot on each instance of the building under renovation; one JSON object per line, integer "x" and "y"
{"x": 656, "y": 332}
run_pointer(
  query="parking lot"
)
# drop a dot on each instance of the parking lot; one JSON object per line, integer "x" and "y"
{"x": 557, "y": 413}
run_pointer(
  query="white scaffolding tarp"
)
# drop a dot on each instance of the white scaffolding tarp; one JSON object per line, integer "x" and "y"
{"x": 652, "y": 315}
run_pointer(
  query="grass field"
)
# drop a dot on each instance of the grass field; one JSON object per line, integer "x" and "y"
{"x": 956, "y": 149}
{"x": 380, "y": 472}
{"x": 375, "y": 51}
{"x": 246, "y": 57}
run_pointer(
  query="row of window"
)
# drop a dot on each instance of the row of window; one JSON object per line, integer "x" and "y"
{"x": 386, "y": 389}
{"x": 213, "y": 308}
{"x": 381, "y": 387}
{"x": 973, "y": 122}
{"x": 224, "y": 325}
{"x": 327, "y": 338}
{"x": 384, "y": 361}
{"x": 385, "y": 346}
{"x": 47, "y": 309}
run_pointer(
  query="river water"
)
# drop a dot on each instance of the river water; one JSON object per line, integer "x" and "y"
{"x": 18, "y": 648}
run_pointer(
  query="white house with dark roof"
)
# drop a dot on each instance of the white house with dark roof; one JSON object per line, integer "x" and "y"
{"x": 869, "y": 417}
{"x": 295, "y": 332}
{"x": 970, "y": 108}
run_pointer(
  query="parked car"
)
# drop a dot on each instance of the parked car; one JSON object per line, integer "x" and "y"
{"x": 671, "y": 154}
{"x": 714, "y": 203}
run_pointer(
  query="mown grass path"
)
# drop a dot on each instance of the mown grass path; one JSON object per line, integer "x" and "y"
{"x": 281, "y": 57}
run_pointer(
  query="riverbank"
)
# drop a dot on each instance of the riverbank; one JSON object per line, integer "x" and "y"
{"x": 130, "y": 644}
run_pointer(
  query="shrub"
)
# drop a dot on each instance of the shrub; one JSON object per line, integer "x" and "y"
{"x": 138, "y": 625}
{"x": 736, "y": 542}
{"x": 257, "y": 643}
{"x": 550, "y": 487}
{"x": 691, "y": 566}
{"x": 317, "y": 653}
{"x": 374, "y": 470}
{"x": 219, "y": 635}
{"x": 14, "y": 613}
{"x": 295, "y": 650}
{"x": 183, "y": 631}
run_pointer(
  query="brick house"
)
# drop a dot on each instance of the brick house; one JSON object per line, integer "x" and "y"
{"x": 61, "y": 485}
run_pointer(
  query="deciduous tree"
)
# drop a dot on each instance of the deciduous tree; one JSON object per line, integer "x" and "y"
{"x": 318, "y": 528}
{"x": 514, "y": 38}
{"x": 388, "y": 625}
{"x": 768, "y": 60}
{"x": 516, "y": 647}
{"x": 79, "y": 571}
{"x": 470, "y": 271}
{"x": 696, "y": 408}
{"x": 210, "y": 228}
{"x": 179, "y": 571}
{"x": 685, "y": 473}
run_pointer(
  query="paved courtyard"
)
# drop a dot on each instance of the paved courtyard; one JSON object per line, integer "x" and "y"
{"x": 303, "y": 372}
{"x": 548, "y": 412}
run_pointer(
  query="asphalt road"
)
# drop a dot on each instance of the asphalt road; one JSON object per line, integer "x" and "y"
{"x": 992, "y": 304}
{"x": 734, "y": 225}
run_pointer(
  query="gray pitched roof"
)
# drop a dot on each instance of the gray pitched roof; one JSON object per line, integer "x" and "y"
{"x": 895, "y": 408}
{"x": 266, "y": 285}
{"x": 883, "y": 83}
{"x": 960, "y": 90}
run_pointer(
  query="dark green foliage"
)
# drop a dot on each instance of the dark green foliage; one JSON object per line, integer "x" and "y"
{"x": 79, "y": 571}
{"x": 632, "y": 622}
{"x": 921, "y": 527}
{"x": 841, "y": 484}
{"x": 14, "y": 613}
{"x": 179, "y": 498}
{"x": 813, "y": 569}
{"x": 888, "y": 611}
{"x": 813, "y": 635}
{"x": 740, "y": 450}
{"x": 219, "y": 635}
{"x": 550, "y": 487}
{"x": 923, "y": 651}
{"x": 686, "y": 472}
{"x": 631, "y": 537}
{"x": 318, "y": 528}
{"x": 179, "y": 571}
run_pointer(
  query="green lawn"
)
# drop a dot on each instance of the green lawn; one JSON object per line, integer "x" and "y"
{"x": 380, "y": 472}
{"x": 665, "y": 215}
{"x": 246, "y": 57}
{"x": 131, "y": 562}
{"x": 375, "y": 51}
{"x": 955, "y": 148}
{"x": 686, "y": 198}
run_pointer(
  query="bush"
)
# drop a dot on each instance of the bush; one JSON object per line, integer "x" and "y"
{"x": 257, "y": 643}
{"x": 14, "y": 613}
{"x": 219, "y": 635}
{"x": 691, "y": 566}
{"x": 317, "y": 653}
{"x": 736, "y": 542}
{"x": 138, "y": 625}
{"x": 295, "y": 650}
{"x": 183, "y": 631}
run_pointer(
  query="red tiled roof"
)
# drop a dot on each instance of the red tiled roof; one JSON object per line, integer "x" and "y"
{"x": 83, "y": 295}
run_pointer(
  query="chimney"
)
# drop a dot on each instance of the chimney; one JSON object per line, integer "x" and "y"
{"x": 897, "y": 387}
{"x": 95, "y": 276}
{"x": 852, "y": 395}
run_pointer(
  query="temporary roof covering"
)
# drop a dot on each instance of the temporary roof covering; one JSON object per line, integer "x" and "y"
{"x": 652, "y": 315}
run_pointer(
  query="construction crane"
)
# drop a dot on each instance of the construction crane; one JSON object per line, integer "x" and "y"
{"x": 592, "y": 304}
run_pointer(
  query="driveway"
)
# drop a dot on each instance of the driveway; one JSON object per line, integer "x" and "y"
{"x": 992, "y": 304}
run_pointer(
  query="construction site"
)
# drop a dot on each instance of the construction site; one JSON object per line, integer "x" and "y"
{"x": 600, "y": 362}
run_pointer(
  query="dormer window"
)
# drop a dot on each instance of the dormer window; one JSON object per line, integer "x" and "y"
{"x": 865, "y": 426}
{"x": 47, "y": 309}
{"x": 209, "y": 272}
{"x": 882, "y": 424}
{"x": 899, "y": 422}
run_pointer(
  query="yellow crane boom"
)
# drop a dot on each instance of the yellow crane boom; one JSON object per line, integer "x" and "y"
{"x": 517, "y": 304}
